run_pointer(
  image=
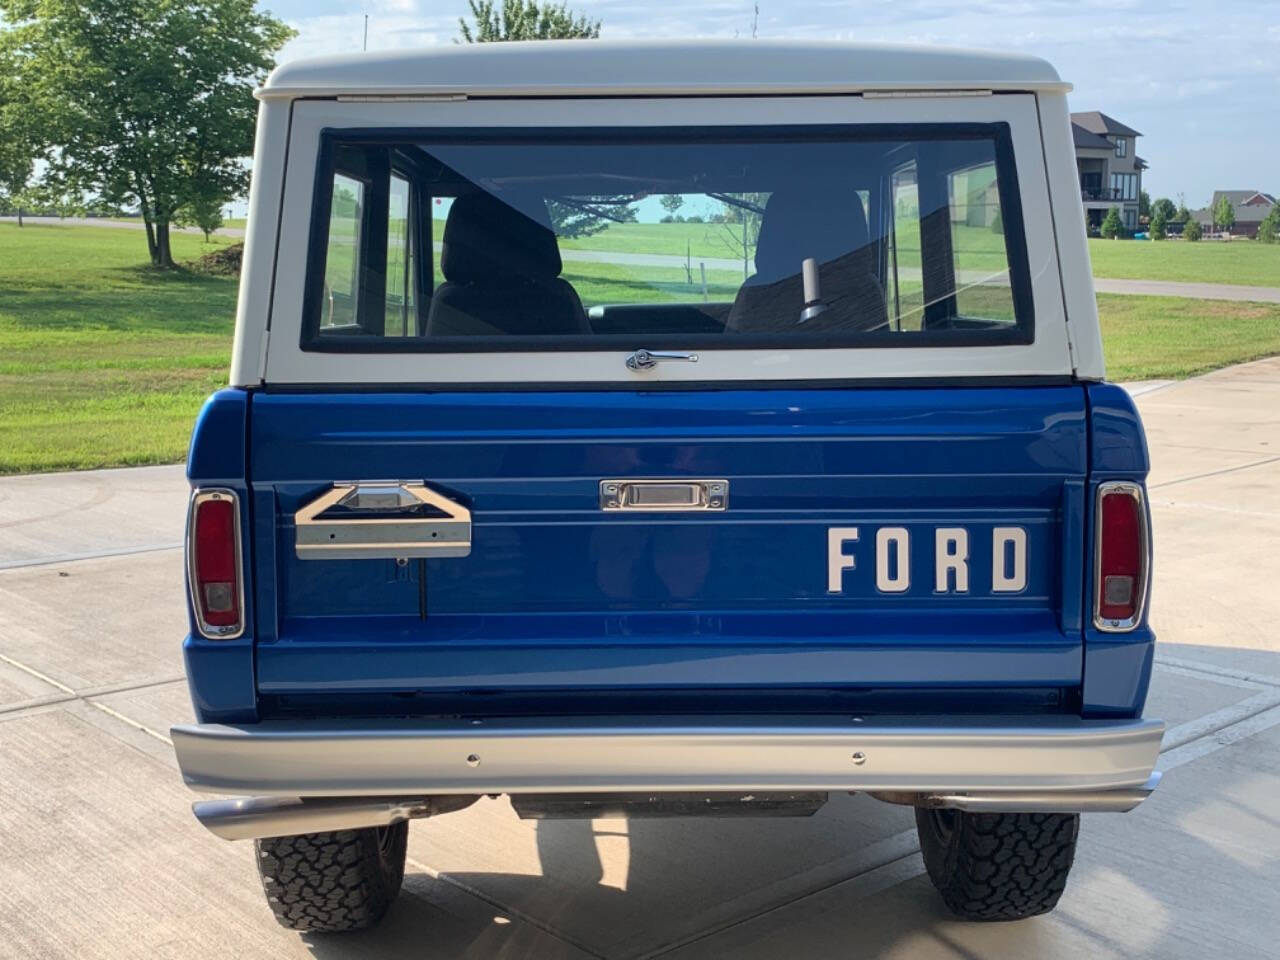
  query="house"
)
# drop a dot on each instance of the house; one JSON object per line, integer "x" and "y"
{"x": 1251, "y": 208}
{"x": 1109, "y": 167}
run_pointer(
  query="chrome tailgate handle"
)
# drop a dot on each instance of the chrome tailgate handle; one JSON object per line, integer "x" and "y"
{"x": 370, "y": 519}
{"x": 648, "y": 359}
{"x": 664, "y": 495}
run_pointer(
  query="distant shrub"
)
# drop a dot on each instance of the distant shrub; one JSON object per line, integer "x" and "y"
{"x": 1159, "y": 225}
{"x": 1192, "y": 231}
{"x": 1224, "y": 214}
{"x": 1165, "y": 206}
{"x": 1111, "y": 225}
{"x": 1269, "y": 228}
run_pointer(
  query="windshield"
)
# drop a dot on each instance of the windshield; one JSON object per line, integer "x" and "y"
{"x": 508, "y": 240}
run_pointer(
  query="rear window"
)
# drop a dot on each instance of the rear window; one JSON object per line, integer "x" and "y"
{"x": 591, "y": 240}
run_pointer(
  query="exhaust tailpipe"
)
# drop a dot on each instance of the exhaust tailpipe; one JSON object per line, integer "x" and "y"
{"x": 255, "y": 818}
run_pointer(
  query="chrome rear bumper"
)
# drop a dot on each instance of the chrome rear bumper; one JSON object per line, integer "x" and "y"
{"x": 1058, "y": 763}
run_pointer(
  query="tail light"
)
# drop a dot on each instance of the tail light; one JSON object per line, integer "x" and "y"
{"x": 214, "y": 569}
{"x": 1122, "y": 561}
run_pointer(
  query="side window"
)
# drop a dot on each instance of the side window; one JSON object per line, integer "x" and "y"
{"x": 904, "y": 286}
{"x": 947, "y": 264}
{"x": 400, "y": 320}
{"x": 981, "y": 260}
{"x": 437, "y": 215}
{"x": 342, "y": 258}
{"x": 370, "y": 286}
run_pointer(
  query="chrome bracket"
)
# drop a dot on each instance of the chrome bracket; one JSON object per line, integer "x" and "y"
{"x": 370, "y": 519}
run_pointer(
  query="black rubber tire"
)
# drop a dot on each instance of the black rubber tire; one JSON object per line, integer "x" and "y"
{"x": 998, "y": 866}
{"x": 331, "y": 882}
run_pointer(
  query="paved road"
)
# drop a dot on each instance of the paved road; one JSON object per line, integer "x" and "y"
{"x": 114, "y": 224}
{"x": 1195, "y": 291}
{"x": 1151, "y": 288}
{"x": 102, "y": 858}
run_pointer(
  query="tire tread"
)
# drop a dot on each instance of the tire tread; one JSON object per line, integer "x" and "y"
{"x": 329, "y": 882}
{"x": 1000, "y": 866}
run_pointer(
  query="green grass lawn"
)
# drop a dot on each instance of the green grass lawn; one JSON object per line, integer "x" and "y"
{"x": 602, "y": 283}
{"x": 698, "y": 240}
{"x": 1155, "y": 338}
{"x": 1244, "y": 262}
{"x": 977, "y": 248}
{"x": 105, "y": 362}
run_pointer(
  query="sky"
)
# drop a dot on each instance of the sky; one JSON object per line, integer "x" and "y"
{"x": 1199, "y": 79}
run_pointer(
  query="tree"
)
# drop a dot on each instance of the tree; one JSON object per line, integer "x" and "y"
{"x": 1269, "y": 228}
{"x": 345, "y": 204}
{"x": 1183, "y": 214}
{"x": 1144, "y": 203}
{"x": 740, "y": 221}
{"x": 525, "y": 20}
{"x": 583, "y": 216}
{"x": 1192, "y": 231}
{"x": 17, "y": 150}
{"x": 1164, "y": 206}
{"x": 1224, "y": 214}
{"x": 671, "y": 202}
{"x": 1159, "y": 229}
{"x": 1111, "y": 225}
{"x": 143, "y": 104}
{"x": 59, "y": 199}
{"x": 204, "y": 211}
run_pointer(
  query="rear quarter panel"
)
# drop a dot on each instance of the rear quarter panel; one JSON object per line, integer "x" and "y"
{"x": 220, "y": 673}
{"x": 1117, "y": 665}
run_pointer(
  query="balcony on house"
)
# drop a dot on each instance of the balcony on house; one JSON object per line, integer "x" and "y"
{"x": 1095, "y": 183}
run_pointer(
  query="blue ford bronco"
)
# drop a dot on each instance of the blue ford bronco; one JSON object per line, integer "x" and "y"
{"x": 654, "y": 429}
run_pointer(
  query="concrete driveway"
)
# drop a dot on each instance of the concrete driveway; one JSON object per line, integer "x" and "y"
{"x": 101, "y": 857}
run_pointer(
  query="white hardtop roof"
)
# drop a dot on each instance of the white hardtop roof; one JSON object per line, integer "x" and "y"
{"x": 640, "y": 68}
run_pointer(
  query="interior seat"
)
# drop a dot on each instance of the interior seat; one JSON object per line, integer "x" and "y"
{"x": 502, "y": 274}
{"x": 829, "y": 225}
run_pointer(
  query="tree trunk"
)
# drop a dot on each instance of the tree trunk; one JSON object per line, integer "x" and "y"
{"x": 163, "y": 253}
{"x": 151, "y": 240}
{"x": 19, "y": 214}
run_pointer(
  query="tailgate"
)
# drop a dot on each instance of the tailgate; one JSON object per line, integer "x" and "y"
{"x": 873, "y": 543}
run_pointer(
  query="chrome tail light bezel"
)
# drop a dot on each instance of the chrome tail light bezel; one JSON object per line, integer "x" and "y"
{"x": 1142, "y": 588}
{"x": 208, "y": 630}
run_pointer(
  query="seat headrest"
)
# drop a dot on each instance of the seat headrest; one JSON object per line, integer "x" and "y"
{"x": 799, "y": 223}
{"x": 488, "y": 240}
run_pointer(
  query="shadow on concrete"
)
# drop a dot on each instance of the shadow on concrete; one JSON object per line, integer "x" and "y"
{"x": 1135, "y": 876}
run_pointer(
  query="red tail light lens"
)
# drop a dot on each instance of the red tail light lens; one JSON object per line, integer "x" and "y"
{"x": 1120, "y": 586}
{"x": 213, "y": 559}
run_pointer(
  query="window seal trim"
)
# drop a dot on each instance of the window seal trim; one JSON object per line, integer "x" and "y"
{"x": 1021, "y": 333}
{"x": 680, "y": 386}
